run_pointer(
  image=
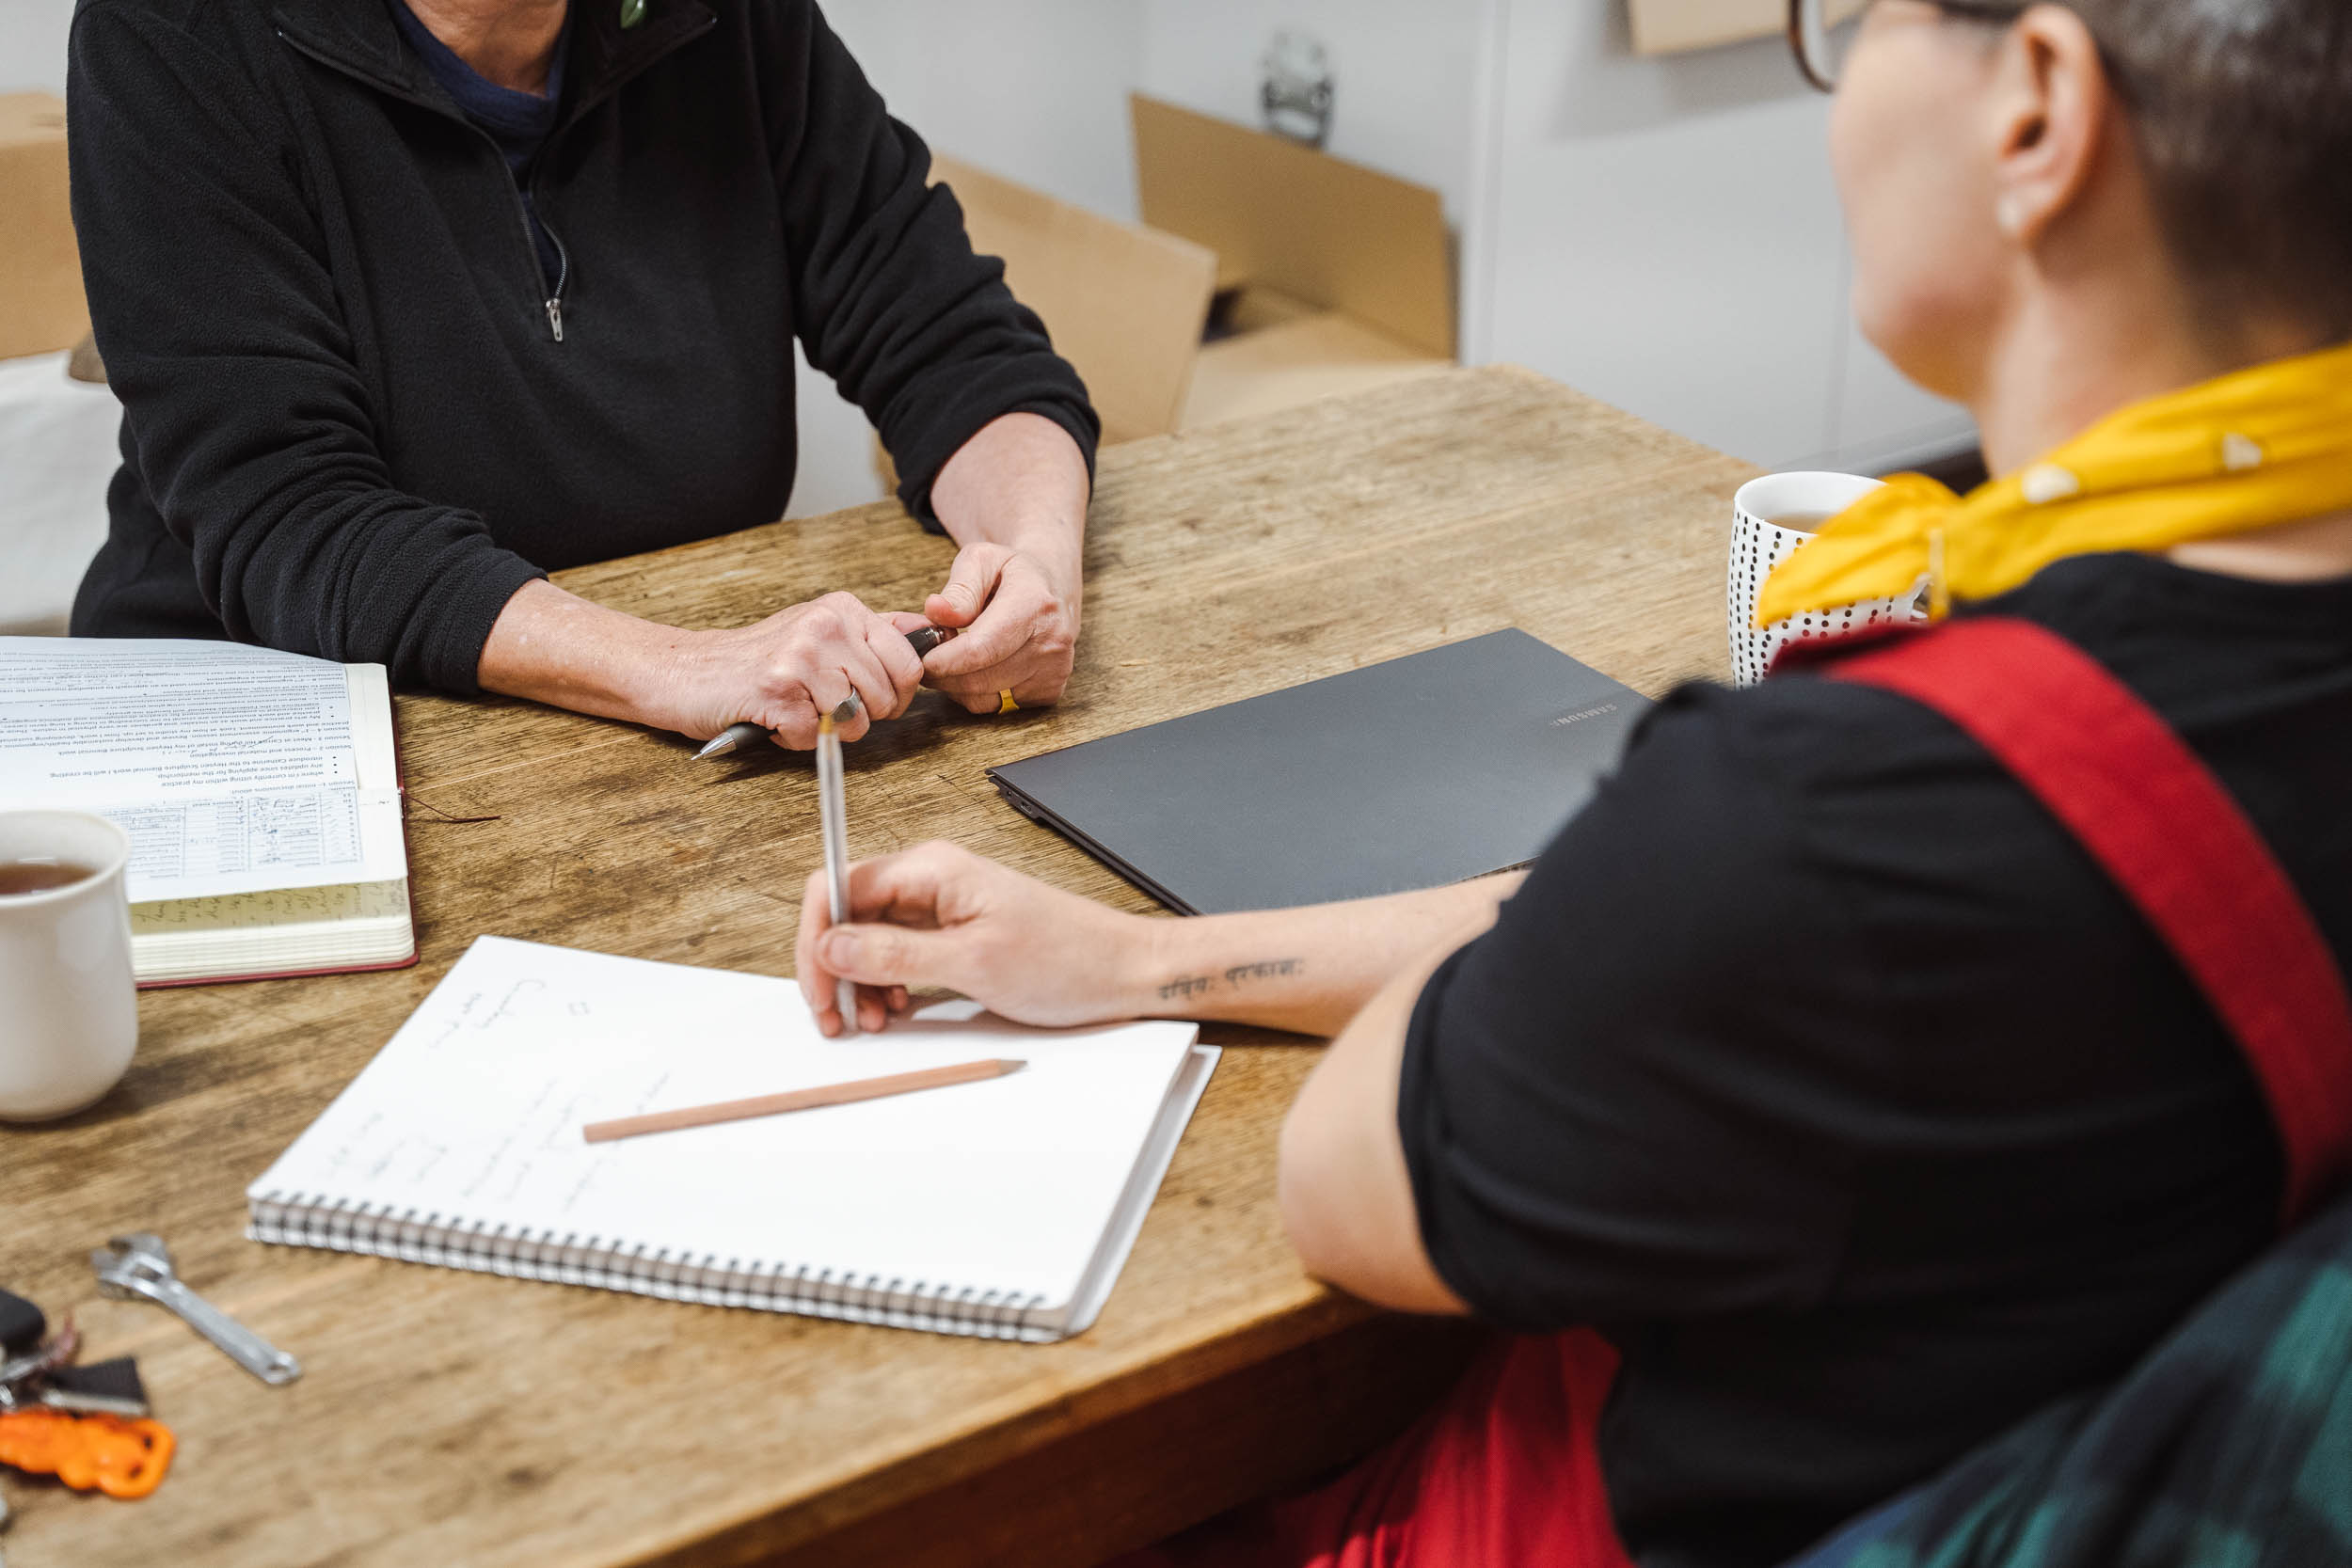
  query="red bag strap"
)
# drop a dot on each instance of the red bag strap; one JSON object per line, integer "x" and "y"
{"x": 2170, "y": 835}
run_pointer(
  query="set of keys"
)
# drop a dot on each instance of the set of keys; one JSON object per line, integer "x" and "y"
{"x": 87, "y": 1425}
{"x": 90, "y": 1426}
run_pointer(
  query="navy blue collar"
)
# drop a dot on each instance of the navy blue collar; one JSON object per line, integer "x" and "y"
{"x": 359, "y": 39}
{"x": 518, "y": 121}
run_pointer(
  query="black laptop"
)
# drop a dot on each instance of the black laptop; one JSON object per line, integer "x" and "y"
{"x": 1425, "y": 771}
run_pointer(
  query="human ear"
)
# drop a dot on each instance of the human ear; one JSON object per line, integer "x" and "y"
{"x": 2053, "y": 107}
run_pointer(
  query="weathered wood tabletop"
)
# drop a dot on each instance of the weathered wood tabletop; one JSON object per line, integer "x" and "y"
{"x": 455, "y": 1418}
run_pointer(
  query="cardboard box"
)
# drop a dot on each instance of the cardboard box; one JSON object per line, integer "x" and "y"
{"x": 1265, "y": 274}
{"x": 1672, "y": 27}
{"x": 42, "y": 310}
{"x": 1332, "y": 277}
{"x": 1125, "y": 305}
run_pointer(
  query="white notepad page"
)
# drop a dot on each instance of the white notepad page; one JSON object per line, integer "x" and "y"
{"x": 468, "y": 1123}
{"x": 234, "y": 770}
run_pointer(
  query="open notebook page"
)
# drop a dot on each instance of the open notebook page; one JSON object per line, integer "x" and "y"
{"x": 234, "y": 770}
{"x": 473, "y": 1114}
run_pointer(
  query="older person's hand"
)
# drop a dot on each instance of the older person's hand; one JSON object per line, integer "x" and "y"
{"x": 781, "y": 673}
{"x": 1017, "y": 614}
{"x": 1014, "y": 497}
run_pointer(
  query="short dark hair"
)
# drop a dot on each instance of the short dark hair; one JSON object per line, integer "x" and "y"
{"x": 2243, "y": 112}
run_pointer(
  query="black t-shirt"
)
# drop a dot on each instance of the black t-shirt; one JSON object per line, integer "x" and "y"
{"x": 1819, "y": 1067}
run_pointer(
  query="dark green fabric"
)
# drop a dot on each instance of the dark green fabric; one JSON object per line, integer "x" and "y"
{"x": 2231, "y": 1447}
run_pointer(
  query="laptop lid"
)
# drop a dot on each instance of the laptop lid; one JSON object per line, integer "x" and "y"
{"x": 1424, "y": 770}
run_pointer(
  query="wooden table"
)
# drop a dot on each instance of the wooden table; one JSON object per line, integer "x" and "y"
{"x": 459, "y": 1419}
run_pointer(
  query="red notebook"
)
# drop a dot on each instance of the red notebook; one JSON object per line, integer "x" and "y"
{"x": 260, "y": 791}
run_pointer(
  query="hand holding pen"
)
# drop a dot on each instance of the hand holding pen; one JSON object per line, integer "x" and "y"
{"x": 921, "y": 640}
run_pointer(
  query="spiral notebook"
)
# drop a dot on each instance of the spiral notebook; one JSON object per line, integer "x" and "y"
{"x": 1004, "y": 1209}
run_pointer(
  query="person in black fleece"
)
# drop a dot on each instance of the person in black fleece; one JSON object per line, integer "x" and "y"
{"x": 407, "y": 303}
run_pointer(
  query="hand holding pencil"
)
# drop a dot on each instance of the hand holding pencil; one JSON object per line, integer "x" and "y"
{"x": 939, "y": 916}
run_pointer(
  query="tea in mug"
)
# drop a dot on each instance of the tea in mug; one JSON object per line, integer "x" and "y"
{"x": 1801, "y": 522}
{"x": 41, "y": 876}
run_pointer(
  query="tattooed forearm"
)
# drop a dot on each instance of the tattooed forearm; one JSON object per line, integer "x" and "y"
{"x": 1187, "y": 987}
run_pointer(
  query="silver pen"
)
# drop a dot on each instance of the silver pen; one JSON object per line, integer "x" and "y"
{"x": 833, "y": 818}
{"x": 736, "y": 736}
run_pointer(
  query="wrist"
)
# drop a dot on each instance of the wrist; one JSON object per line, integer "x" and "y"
{"x": 1057, "y": 546}
{"x": 552, "y": 646}
{"x": 661, "y": 671}
{"x": 1145, "y": 964}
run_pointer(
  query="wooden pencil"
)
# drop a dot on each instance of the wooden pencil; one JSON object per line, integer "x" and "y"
{"x": 798, "y": 1099}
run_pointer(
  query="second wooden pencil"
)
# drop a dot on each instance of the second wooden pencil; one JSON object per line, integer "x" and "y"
{"x": 800, "y": 1100}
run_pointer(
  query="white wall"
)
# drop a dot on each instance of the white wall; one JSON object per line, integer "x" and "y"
{"x": 1664, "y": 235}
{"x": 1036, "y": 90}
{"x": 32, "y": 44}
{"x": 1404, "y": 76}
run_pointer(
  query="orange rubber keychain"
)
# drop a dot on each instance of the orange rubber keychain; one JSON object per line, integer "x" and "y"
{"x": 88, "y": 1426}
{"x": 122, "y": 1456}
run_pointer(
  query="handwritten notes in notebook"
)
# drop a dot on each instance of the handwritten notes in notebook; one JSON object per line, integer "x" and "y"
{"x": 468, "y": 1125}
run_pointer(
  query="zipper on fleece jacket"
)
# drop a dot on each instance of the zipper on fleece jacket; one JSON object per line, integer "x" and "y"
{"x": 524, "y": 212}
{"x": 663, "y": 37}
{"x": 562, "y": 258}
{"x": 553, "y": 302}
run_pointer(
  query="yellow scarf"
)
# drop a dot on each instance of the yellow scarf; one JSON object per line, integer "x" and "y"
{"x": 2255, "y": 449}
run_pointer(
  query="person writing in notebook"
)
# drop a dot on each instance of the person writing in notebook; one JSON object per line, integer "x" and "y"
{"x": 1816, "y": 1062}
{"x": 409, "y": 301}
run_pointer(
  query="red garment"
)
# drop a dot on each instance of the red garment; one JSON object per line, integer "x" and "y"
{"x": 1506, "y": 1471}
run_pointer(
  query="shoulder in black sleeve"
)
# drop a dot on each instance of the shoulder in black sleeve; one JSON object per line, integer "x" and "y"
{"x": 893, "y": 303}
{"x": 255, "y": 489}
{"x": 1609, "y": 1100}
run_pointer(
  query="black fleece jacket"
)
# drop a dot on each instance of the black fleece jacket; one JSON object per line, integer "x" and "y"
{"x": 355, "y": 422}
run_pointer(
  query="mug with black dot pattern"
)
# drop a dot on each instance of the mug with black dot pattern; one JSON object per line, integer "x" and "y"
{"x": 1772, "y": 516}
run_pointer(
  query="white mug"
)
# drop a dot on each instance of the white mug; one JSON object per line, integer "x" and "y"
{"x": 1762, "y": 537}
{"x": 68, "y": 1004}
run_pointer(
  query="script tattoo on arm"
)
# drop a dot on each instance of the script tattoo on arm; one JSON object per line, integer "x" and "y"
{"x": 1187, "y": 987}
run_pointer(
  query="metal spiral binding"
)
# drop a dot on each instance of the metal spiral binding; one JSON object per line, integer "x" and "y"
{"x": 567, "y": 1258}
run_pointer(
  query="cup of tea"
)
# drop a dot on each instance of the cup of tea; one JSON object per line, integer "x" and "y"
{"x": 69, "y": 1006}
{"x": 1772, "y": 516}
